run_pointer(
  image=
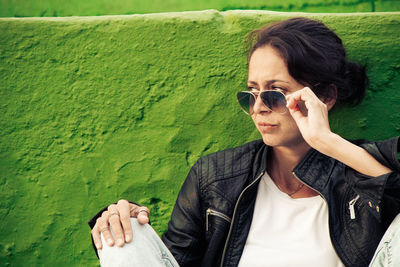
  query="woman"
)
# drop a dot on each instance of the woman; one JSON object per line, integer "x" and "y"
{"x": 301, "y": 196}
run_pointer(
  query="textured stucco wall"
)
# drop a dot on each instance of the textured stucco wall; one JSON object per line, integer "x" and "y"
{"x": 94, "y": 109}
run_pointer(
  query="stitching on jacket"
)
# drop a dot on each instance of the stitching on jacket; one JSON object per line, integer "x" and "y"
{"x": 223, "y": 177}
{"x": 216, "y": 175}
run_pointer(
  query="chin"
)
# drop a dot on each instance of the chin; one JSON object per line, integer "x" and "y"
{"x": 275, "y": 141}
{"x": 271, "y": 141}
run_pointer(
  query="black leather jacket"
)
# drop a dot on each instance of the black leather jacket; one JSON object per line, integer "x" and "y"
{"x": 212, "y": 215}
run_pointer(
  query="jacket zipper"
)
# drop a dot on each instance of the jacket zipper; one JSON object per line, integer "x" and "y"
{"x": 329, "y": 227}
{"x": 234, "y": 215}
{"x": 351, "y": 207}
{"x": 215, "y": 213}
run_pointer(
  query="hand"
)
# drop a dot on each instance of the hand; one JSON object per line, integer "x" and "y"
{"x": 314, "y": 127}
{"x": 314, "y": 124}
{"x": 115, "y": 216}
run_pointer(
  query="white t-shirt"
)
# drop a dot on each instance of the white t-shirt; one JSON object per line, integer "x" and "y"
{"x": 288, "y": 232}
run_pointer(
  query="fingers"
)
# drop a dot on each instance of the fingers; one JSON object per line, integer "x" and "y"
{"x": 96, "y": 238}
{"x": 141, "y": 213}
{"x": 291, "y": 102}
{"x": 310, "y": 115}
{"x": 294, "y": 107}
{"x": 124, "y": 215}
{"x": 117, "y": 217}
{"x": 304, "y": 94}
{"x": 115, "y": 224}
{"x": 295, "y": 112}
{"x": 102, "y": 226}
{"x": 302, "y": 101}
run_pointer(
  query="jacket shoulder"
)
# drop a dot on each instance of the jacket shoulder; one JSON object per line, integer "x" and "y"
{"x": 229, "y": 162}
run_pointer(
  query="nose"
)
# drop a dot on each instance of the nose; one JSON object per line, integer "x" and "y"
{"x": 259, "y": 106}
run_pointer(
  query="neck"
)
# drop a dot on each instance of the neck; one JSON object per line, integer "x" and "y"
{"x": 287, "y": 158}
{"x": 281, "y": 163}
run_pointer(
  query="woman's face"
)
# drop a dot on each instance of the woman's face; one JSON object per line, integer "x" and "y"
{"x": 268, "y": 71}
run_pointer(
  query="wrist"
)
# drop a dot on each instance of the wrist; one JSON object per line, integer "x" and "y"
{"x": 327, "y": 143}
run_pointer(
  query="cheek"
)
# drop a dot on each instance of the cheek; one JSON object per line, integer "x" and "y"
{"x": 290, "y": 124}
{"x": 288, "y": 119}
{"x": 253, "y": 117}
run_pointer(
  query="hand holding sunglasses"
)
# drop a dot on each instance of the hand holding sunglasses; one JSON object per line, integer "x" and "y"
{"x": 314, "y": 126}
{"x": 309, "y": 112}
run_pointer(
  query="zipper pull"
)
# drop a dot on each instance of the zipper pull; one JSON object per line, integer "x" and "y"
{"x": 207, "y": 214}
{"x": 351, "y": 207}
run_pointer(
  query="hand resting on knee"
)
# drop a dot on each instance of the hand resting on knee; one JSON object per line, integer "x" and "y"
{"x": 118, "y": 217}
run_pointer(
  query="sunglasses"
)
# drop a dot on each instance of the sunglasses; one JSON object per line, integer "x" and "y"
{"x": 274, "y": 100}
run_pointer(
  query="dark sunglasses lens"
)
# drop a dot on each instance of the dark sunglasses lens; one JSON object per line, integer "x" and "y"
{"x": 246, "y": 101}
{"x": 274, "y": 100}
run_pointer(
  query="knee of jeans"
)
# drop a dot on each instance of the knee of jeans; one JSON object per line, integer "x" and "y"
{"x": 392, "y": 234}
{"x": 138, "y": 240}
{"x": 137, "y": 230}
{"x": 145, "y": 247}
{"x": 390, "y": 242}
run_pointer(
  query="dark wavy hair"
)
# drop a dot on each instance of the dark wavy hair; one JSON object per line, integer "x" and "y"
{"x": 315, "y": 57}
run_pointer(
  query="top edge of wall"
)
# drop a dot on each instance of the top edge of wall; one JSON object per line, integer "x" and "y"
{"x": 197, "y": 15}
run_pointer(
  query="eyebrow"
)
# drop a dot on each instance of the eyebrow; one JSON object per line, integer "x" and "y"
{"x": 267, "y": 83}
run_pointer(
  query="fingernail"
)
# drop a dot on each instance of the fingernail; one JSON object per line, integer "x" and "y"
{"x": 109, "y": 242}
{"x": 97, "y": 245}
{"x": 128, "y": 238}
{"x": 120, "y": 242}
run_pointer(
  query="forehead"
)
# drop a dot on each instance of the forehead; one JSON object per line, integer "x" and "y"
{"x": 266, "y": 64}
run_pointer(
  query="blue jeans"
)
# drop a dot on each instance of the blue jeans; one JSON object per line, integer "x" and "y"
{"x": 388, "y": 252}
{"x": 145, "y": 249}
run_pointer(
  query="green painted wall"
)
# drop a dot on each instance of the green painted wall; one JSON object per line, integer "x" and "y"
{"x": 61, "y": 8}
{"x": 94, "y": 109}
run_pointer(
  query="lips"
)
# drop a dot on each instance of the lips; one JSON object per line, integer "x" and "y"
{"x": 265, "y": 127}
{"x": 266, "y": 124}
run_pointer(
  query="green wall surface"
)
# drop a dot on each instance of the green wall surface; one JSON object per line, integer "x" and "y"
{"x": 95, "y": 109}
{"x": 59, "y": 8}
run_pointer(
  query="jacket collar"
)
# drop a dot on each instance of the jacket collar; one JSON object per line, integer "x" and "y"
{"x": 322, "y": 173}
{"x": 260, "y": 162}
{"x": 315, "y": 169}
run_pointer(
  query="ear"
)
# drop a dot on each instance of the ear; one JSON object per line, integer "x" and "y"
{"x": 331, "y": 100}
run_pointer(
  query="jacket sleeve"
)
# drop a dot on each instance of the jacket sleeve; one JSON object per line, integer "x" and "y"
{"x": 390, "y": 150}
{"x": 387, "y": 153}
{"x": 184, "y": 236}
